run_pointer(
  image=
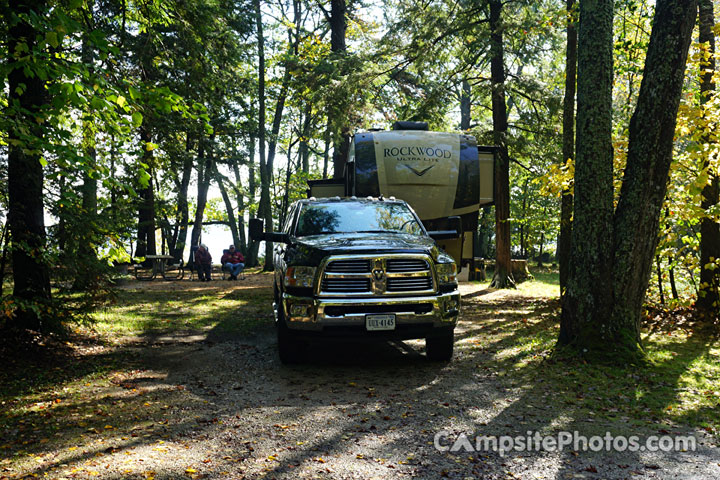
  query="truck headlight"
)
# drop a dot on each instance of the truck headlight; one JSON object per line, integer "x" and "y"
{"x": 447, "y": 273}
{"x": 299, "y": 277}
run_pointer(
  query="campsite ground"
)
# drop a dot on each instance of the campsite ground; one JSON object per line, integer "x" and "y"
{"x": 182, "y": 380}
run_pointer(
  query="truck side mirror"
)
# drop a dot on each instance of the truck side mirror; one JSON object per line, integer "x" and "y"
{"x": 257, "y": 233}
{"x": 256, "y": 230}
{"x": 454, "y": 230}
{"x": 455, "y": 223}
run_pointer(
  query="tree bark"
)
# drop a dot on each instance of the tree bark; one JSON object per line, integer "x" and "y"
{"x": 304, "y": 148}
{"x": 265, "y": 211}
{"x": 708, "y": 302}
{"x": 611, "y": 256}
{"x": 503, "y": 268}
{"x": 586, "y": 305}
{"x": 659, "y": 279}
{"x": 240, "y": 200}
{"x": 568, "y": 146}
{"x": 644, "y": 186}
{"x": 326, "y": 151}
{"x": 228, "y": 207}
{"x": 204, "y": 169}
{"x": 465, "y": 106}
{"x": 253, "y": 246}
{"x": 25, "y": 173}
{"x": 86, "y": 271}
{"x": 338, "y": 26}
{"x": 671, "y": 277}
{"x": 146, "y": 210}
{"x": 180, "y": 239}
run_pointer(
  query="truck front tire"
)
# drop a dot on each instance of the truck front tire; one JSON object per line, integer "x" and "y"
{"x": 439, "y": 348}
{"x": 289, "y": 347}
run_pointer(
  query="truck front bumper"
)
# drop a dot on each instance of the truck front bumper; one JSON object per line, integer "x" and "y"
{"x": 415, "y": 317}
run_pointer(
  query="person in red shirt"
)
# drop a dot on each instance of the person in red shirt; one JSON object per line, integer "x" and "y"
{"x": 203, "y": 263}
{"x": 234, "y": 261}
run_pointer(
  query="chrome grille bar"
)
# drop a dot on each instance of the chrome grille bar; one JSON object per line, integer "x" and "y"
{"x": 348, "y": 266}
{"x": 364, "y": 275}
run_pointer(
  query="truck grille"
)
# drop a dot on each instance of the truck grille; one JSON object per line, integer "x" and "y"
{"x": 409, "y": 284}
{"x": 350, "y": 285}
{"x": 406, "y": 265}
{"x": 377, "y": 276}
{"x": 349, "y": 266}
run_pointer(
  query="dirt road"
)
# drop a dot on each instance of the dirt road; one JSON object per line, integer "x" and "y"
{"x": 219, "y": 405}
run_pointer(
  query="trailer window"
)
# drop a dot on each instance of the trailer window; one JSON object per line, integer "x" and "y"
{"x": 350, "y": 217}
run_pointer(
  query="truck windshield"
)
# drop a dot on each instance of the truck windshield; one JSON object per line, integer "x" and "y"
{"x": 354, "y": 217}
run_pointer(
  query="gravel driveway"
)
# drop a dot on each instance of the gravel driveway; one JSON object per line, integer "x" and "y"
{"x": 226, "y": 408}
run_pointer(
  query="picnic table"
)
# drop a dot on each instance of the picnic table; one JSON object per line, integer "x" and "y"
{"x": 159, "y": 267}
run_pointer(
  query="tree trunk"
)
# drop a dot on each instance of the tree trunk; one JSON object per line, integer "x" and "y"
{"x": 568, "y": 146}
{"x": 611, "y": 257}
{"x": 264, "y": 211}
{"x": 286, "y": 195}
{"x": 650, "y": 138}
{"x": 253, "y": 246}
{"x": 146, "y": 211}
{"x": 338, "y": 26}
{"x": 180, "y": 240}
{"x": 228, "y": 207}
{"x": 485, "y": 232}
{"x": 204, "y": 169}
{"x": 86, "y": 271}
{"x": 326, "y": 151}
{"x": 659, "y": 279}
{"x": 240, "y": 200}
{"x": 465, "y": 106}
{"x": 587, "y": 304}
{"x": 304, "y": 147}
{"x": 671, "y": 277}
{"x": 708, "y": 302}
{"x": 272, "y": 142}
{"x": 503, "y": 268}
{"x": 25, "y": 172}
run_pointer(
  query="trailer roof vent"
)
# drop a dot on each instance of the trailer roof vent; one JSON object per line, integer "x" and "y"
{"x": 410, "y": 125}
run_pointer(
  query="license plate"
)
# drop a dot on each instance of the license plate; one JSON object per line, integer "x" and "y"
{"x": 380, "y": 322}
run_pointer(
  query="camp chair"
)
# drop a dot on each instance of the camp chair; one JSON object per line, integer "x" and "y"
{"x": 191, "y": 263}
{"x": 226, "y": 271}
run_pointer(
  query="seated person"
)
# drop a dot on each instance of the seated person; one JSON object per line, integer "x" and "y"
{"x": 234, "y": 261}
{"x": 203, "y": 263}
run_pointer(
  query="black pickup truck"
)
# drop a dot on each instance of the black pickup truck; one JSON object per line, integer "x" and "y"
{"x": 361, "y": 268}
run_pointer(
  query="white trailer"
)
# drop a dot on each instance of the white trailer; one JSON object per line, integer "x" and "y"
{"x": 441, "y": 175}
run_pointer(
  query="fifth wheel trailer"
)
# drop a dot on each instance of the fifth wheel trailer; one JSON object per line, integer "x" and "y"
{"x": 440, "y": 174}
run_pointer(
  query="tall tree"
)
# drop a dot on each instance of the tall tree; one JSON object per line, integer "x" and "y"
{"x": 611, "y": 254}
{"x": 146, "y": 198}
{"x": 708, "y": 302}
{"x": 590, "y": 268}
{"x": 205, "y": 169}
{"x": 338, "y": 26}
{"x": 503, "y": 265}
{"x": 568, "y": 143}
{"x": 25, "y": 172}
{"x": 179, "y": 240}
{"x": 264, "y": 211}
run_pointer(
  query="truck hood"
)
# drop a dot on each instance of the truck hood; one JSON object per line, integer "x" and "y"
{"x": 311, "y": 250}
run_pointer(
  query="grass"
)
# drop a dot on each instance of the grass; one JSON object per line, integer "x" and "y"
{"x": 150, "y": 312}
{"x": 678, "y": 384}
{"x": 545, "y": 283}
